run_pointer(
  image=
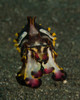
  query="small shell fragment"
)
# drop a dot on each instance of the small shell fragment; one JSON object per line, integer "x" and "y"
{"x": 65, "y": 81}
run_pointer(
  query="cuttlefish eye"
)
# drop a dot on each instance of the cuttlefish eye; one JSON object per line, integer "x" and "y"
{"x": 59, "y": 76}
{"x": 34, "y": 83}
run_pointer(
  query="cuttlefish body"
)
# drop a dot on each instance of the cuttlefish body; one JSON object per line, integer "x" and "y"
{"x": 37, "y": 48}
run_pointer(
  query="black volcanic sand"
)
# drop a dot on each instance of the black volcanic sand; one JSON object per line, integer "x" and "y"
{"x": 63, "y": 16}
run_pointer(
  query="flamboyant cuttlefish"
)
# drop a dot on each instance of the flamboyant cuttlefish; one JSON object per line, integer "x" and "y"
{"x": 36, "y": 46}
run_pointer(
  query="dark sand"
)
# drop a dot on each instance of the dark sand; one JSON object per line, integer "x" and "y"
{"x": 63, "y": 16}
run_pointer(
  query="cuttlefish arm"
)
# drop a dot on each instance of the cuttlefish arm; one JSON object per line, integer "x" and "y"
{"x": 52, "y": 66}
{"x": 31, "y": 72}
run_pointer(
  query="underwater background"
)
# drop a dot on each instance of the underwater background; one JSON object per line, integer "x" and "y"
{"x": 63, "y": 16}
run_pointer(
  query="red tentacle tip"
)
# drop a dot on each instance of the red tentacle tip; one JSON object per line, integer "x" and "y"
{"x": 59, "y": 76}
{"x": 37, "y": 74}
{"x": 49, "y": 70}
{"x": 34, "y": 83}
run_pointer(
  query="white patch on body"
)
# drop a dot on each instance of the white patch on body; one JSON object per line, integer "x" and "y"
{"x": 46, "y": 32}
{"x": 22, "y": 36}
{"x": 51, "y": 62}
{"x": 31, "y": 65}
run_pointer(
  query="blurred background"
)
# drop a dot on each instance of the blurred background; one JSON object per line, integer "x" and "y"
{"x": 63, "y": 16}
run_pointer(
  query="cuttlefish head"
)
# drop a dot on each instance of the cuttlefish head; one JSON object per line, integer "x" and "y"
{"x": 32, "y": 29}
